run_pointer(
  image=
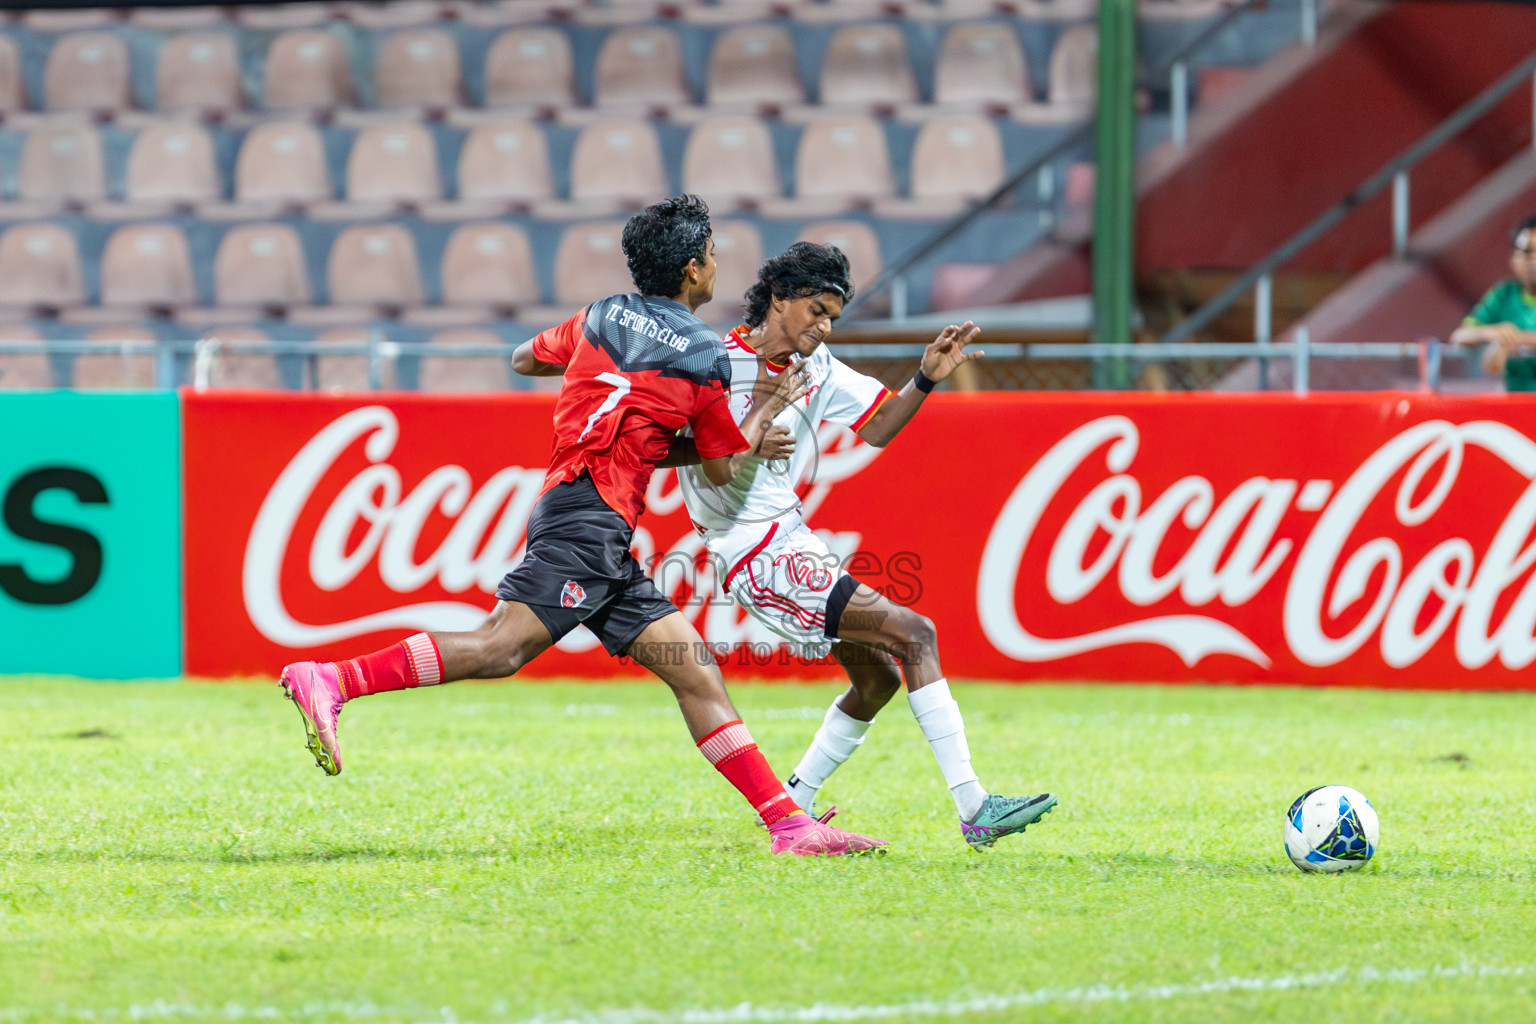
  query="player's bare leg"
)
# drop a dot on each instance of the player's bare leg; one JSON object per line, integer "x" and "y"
{"x": 671, "y": 648}
{"x": 510, "y": 637}
{"x": 873, "y": 620}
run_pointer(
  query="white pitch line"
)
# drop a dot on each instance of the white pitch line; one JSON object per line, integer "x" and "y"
{"x": 816, "y": 1013}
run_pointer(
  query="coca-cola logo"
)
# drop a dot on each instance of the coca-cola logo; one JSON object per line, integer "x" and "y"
{"x": 1116, "y": 534}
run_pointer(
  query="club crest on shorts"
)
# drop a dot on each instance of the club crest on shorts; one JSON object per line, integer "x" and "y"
{"x": 571, "y": 594}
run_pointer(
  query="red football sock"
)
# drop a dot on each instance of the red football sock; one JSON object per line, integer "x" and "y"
{"x": 414, "y": 661}
{"x": 731, "y": 750}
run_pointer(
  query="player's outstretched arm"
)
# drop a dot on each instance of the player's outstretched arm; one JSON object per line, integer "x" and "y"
{"x": 530, "y": 365}
{"x": 942, "y": 356}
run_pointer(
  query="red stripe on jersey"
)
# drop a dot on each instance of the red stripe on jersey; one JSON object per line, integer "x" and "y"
{"x": 869, "y": 414}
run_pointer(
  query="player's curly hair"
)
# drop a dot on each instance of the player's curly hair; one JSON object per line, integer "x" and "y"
{"x": 803, "y": 269}
{"x": 1525, "y": 224}
{"x": 659, "y": 241}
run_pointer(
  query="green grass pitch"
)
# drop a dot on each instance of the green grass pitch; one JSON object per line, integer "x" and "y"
{"x": 511, "y": 852}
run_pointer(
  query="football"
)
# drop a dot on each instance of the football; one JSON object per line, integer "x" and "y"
{"x": 1331, "y": 828}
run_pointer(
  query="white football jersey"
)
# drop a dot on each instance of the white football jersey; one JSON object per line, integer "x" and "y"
{"x": 764, "y": 490}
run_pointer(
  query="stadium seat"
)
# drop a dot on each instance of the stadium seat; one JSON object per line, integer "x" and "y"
{"x": 956, "y": 159}
{"x": 867, "y": 64}
{"x": 282, "y": 162}
{"x": 640, "y": 66}
{"x": 306, "y": 68}
{"x": 260, "y": 266}
{"x": 857, "y": 241}
{"x": 842, "y": 161}
{"x": 730, "y": 161}
{"x": 87, "y": 71}
{"x": 418, "y": 67}
{"x": 617, "y": 164}
{"x": 22, "y": 369}
{"x": 13, "y": 94}
{"x": 981, "y": 63}
{"x": 147, "y": 266}
{"x": 172, "y": 162}
{"x": 489, "y": 265}
{"x": 350, "y": 372}
{"x": 62, "y": 162}
{"x": 530, "y": 67}
{"x": 465, "y": 373}
{"x": 392, "y": 14}
{"x": 590, "y": 265}
{"x": 738, "y": 255}
{"x": 219, "y": 361}
{"x": 505, "y": 160}
{"x": 40, "y": 267}
{"x": 393, "y": 163}
{"x": 279, "y": 17}
{"x": 59, "y": 19}
{"x": 754, "y": 65}
{"x": 374, "y": 265}
{"x": 1074, "y": 73}
{"x": 199, "y": 71}
{"x": 176, "y": 19}
{"x": 125, "y": 369}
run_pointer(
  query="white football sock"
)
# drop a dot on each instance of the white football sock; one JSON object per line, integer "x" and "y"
{"x": 839, "y": 736}
{"x": 939, "y": 716}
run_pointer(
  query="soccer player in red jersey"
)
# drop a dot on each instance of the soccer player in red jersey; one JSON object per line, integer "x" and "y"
{"x": 637, "y": 369}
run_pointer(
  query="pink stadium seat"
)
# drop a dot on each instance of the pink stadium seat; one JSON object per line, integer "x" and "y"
{"x": 730, "y": 161}
{"x": 393, "y": 163}
{"x": 505, "y": 160}
{"x": 284, "y": 161}
{"x": 530, "y": 67}
{"x": 51, "y": 20}
{"x": 172, "y": 161}
{"x": 374, "y": 265}
{"x": 199, "y": 71}
{"x": 147, "y": 265}
{"x": 957, "y": 158}
{"x": 619, "y": 161}
{"x": 738, "y": 254}
{"x": 465, "y": 373}
{"x": 349, "y": 372}
{"x": 259, "y": 266}
{"x": 489, "y": 265}
{"x": 62, "y": 161}
{"x": 40, "y": 266}
{"x": 13, "y": 94}
{"x": 642, "y": 65}
{"x": 418, "y": 67}
{"x": 858, "y": 242}
{"x": 228, "y": 367}
{"x": 1074, "y": 81}
{"x": 981, "y": 62}
{"x": 867, "y": 64}
{"x": 306, "y": 68}
{"x": 22, "y": 369}
{"x": 116, "y": 369}
{"x": 845, "y": 158}
{"x": 590, "y": 264}
{"x": 754, "y": 64}
{"x": 87, "y": 71}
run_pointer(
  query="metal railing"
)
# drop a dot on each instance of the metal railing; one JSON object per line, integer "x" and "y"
{"x": 1174, "y": 67}
{"x": 1260, "y": 276}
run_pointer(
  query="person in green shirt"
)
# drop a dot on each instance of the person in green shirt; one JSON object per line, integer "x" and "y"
{"x": 1505, "y": 318}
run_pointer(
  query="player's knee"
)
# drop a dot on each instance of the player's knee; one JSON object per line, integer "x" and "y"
{"x": 919, "y": 638}
{"x": 499, "y": 656}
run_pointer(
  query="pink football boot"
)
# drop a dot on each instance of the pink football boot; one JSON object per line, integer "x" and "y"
{"x": 805, "y": 836}
{"x": 312, "y": 685}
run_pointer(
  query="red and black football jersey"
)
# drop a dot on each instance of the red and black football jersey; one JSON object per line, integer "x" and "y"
{"x": 638, "y": 369}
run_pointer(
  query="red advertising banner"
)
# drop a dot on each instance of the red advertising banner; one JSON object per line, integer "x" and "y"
{"x": 1379, "y": 540}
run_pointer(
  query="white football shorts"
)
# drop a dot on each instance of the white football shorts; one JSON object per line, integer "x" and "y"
{"x": 792, "y": 583}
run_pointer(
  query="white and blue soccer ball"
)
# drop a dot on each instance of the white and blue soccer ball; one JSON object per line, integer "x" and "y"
{"x": 1331, "y": 828}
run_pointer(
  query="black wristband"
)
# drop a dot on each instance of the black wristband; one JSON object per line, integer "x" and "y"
{"x": 922, "y": 383}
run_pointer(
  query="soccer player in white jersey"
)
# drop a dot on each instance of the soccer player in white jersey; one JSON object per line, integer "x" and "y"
{"x": 787, "y": 578}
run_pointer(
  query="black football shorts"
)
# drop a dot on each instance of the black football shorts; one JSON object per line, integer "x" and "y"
{"x": 579, "y": 569}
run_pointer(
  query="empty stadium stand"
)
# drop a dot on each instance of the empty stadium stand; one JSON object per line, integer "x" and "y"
{"x": 346, "y": 176}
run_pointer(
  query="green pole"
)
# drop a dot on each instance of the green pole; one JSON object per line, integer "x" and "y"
{"x": 1114, "y": 207}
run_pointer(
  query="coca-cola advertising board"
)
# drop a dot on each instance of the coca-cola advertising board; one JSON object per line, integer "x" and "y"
{"x": 1378, "y": 540}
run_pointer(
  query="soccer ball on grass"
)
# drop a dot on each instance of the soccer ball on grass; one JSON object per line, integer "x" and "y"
{"x": 1331, "y": 828}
